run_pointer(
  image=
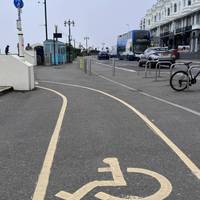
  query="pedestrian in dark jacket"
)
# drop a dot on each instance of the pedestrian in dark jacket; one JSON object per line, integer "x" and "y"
{"x": 7, "y": 49}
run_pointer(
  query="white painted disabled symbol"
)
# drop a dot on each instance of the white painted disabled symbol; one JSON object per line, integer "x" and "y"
{"x": 118, "y": 180}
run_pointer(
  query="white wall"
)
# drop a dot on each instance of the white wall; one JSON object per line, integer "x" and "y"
{"x": 16, "y": 73}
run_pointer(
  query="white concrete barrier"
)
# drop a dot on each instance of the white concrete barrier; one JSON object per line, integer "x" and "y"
{"x": 31, "y": 57}
{"x": 16, "y": 72}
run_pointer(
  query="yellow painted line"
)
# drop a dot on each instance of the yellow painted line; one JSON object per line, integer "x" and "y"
{"x": 43, "y": 180}
{"x": 118, "y": 180}
{"x": 164, "y": 191}
{"x": 185, "y": 159}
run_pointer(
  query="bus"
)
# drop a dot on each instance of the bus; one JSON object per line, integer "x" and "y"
{"x": 130, "y": 45}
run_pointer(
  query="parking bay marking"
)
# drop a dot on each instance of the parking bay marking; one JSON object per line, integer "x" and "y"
{"x": 185, "y": 159}
{"x": 118, "y": 180}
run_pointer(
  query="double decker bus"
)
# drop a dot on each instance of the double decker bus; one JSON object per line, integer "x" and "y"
{"x": 133, "y": 43}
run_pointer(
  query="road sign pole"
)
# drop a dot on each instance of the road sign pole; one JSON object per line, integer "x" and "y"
{"x": 20, "y": 34}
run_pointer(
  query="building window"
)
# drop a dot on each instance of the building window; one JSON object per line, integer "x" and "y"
{"x": 184, "y": 3}
{"x": 198, "y": 18}
{"x": 179, "y": 5}
{"x": 188, "y": 21}
{"x": 193, "y": 20}
{"x": 168, "y": 11}
{"x": 175, "y": 7}
{"x": 189, "y": 2}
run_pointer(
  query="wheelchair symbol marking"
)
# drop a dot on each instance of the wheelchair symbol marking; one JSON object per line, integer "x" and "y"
{"x": 118, "y": 180}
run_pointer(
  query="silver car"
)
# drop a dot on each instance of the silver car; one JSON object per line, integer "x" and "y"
{"x": 156, "y": 54}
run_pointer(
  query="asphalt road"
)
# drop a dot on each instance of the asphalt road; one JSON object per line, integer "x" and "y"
{"x": 126, "y": 118}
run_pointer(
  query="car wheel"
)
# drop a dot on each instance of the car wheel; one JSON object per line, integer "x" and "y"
{"x": 140, "y": 64}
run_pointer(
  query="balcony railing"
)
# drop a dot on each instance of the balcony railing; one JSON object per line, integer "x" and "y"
{"x": 188, "y": 28}
{"x": 167, "y": 33}
{"x": 184, "y": 29}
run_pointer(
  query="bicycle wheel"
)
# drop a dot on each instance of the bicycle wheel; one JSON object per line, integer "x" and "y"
{"x": 179, "y": 81}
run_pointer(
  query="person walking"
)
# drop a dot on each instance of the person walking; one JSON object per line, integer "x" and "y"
{"x": 28, "y": 47}
{"x": 7, "y": 49}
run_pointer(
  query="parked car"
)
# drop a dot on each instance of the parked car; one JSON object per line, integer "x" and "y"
{"x": 157, "y": 54}
{"x": 113, "y": 55}
{"x": 130, "y": 56}
{"x": 103, "y": 55}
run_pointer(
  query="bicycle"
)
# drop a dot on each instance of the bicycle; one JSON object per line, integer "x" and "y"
{"x": 181, "y": 80}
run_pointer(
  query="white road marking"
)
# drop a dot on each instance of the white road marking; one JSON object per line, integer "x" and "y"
{"x": 120, "y": 68}
{"x": 43, "y": 180}
{"x": 121, "y": 84}
{"x": 185, "y": 159}
{"x": 153, "y": 97}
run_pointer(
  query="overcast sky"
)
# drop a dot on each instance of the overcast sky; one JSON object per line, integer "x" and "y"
{"x": 101, "y": 20}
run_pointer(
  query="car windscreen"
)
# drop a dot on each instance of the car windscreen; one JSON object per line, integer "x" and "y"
{"x": 103, "y": 53}
{"x": 140, "y": 48}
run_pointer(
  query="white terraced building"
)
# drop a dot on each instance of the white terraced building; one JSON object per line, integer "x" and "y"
{"x": 174, "y": 23}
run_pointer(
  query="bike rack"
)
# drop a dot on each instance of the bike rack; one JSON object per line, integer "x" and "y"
{"x": 158, "y": 65}
{"x": 148, "y": 63}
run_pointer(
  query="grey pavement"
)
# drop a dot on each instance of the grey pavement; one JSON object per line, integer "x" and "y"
{"x": 97, "y": 127}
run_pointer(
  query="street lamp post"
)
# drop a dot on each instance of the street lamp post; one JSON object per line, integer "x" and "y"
{"x": 86, "y": 41}
{"x": 69, "y": 23}
{"x": 45, "y": 13}
{"x": 45, "y": 18}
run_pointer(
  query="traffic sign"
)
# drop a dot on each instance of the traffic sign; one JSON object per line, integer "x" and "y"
{"x": 18, "y": 3}
{"x": 57, "y": 35}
